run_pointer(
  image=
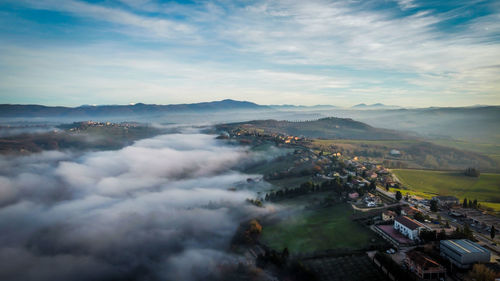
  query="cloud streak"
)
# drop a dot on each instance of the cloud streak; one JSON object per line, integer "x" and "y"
{"x": 172, "y": 52}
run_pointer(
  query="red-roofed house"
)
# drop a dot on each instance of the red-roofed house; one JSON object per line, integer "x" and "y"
{"x": 409, "y": 211}
{"x": 408, "y": 227}
{"x": 388, "y": 215}
{"x": 424, "y": 267}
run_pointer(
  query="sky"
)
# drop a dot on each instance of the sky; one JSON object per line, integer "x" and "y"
{"x": 402, "y": 52}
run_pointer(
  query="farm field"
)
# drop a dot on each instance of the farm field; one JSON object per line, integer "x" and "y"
{"x": 312, "y": 230}
{"x": 417, "y": 154}
{"x": 426, "y": 184}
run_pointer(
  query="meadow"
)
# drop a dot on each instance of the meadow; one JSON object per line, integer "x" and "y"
{"x": 312, "y": 230}
{"x": 427, "y": 184}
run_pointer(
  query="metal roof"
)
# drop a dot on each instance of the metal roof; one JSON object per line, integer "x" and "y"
{"x": 409, "y": 223}
{"x": 464, "y": 246}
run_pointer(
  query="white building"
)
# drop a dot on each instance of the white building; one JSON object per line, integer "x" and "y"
{"x": 408, "y": 227}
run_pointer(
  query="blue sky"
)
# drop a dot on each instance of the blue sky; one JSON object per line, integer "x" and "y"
{"x": 403, "y": 52}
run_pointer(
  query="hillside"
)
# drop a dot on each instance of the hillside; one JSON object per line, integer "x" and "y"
{"x": 139, "y": 109}
{"x": 78, "y": 136}
{"x": 472, "y": 124}
{"x": 327, "y": 128}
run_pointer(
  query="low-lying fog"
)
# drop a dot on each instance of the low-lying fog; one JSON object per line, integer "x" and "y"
{"x": 160, "y": 209}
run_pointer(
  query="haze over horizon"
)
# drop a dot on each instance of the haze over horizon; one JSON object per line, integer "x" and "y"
{"x": 405, "y": 52}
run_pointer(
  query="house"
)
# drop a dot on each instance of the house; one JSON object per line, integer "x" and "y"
{"x": 408, "y": 227}
{"x": 409, "y": 211}
{"x": 463, "y": 253}
{"x": 424, "y": 267}
{"x": 388, "y": 215}
{"x": 446, "y": 200}
{"x": 395, "y": 152}
{"x": 353, "y": 195}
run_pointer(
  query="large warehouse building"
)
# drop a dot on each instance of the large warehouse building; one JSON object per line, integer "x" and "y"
{"x": 463, "y": 253}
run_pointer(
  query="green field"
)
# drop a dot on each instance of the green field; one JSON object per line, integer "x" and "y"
{"x": 486, "y": 188}
{"x": 328, "y": 228}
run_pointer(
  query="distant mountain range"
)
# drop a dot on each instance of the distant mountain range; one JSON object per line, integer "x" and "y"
{"x": 375, "y": 106}
{"x": 303, "y": 107}
{"x": 15, "y": 110}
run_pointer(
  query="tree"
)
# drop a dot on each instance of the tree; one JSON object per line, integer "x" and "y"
{"x": 285, "y": 253}
{"x": 468, "y": 232}
{"x": 465, "y": 203}
{"x": 472, "y": 172}
{"x": 418, "y": 216}
{"x": 492, "y": 232}
{"x": 474, "y": 204}
{"x": 373, "y": 186}
{"x": 447, "y": 225}
{"x": 398, "y": 195}
{"x": 428, "y": 235}
{"x": 481, "y": 273}
{"x": 434, "y": 206}
{"x": 441, "y": 235}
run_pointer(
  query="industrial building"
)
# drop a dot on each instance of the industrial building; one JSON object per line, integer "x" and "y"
{"x": 464, "y": 253}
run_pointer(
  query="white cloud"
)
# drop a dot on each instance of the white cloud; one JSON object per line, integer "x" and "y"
{"x": 158, "y": 205}
{"x": 277, "y": 49}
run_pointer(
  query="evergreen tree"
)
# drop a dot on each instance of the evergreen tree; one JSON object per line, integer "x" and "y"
{"x": 398, "y": 195}
{"x": 465, "y": 203}
{"x": 492, "y": 232}
{"x": 434, "y": 206}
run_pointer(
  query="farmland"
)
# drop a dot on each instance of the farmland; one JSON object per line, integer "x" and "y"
{"x": 415, "y": 153}
{"x": 486, "y": 188}
{"x": 312, "y": 230}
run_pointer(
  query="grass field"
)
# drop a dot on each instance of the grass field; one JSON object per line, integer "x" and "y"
{"x": 486, "y": 188}
{"x": 328, "y": 228}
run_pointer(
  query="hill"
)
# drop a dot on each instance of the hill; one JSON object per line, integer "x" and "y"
{"x": 470, "y": 124}
{"x": 23, "y": 111}
{"x": 327, "y": 128}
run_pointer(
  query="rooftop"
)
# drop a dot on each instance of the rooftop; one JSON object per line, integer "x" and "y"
{"x": 410, "y": 223}
{"x": 389, "y": 213}
{"x": 445, "y": 198}
{"x": 394, "y": 234}
{"x": 464, "y": 246}
{"x": 422, "y": 260}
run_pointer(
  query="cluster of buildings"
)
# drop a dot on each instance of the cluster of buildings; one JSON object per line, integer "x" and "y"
{"x": 79, "y": 126}
{"x": 404, "y": 232}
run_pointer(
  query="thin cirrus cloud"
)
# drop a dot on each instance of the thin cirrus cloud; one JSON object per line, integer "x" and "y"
{"x": 302, "y": 52}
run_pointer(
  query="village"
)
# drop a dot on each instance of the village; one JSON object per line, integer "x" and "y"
{"x": 426, "y": 239}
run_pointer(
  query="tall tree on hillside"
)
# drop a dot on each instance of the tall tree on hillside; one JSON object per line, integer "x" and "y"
{"x": 474, "y": 204}
{"x": 465, "y": 203}
{"x": 434, "y": 206}
{"x": 398, "y": 195}
{"x": 373, "y": 185}
{"x": 470, "y": 204}
{"x": 492, "y": 232}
